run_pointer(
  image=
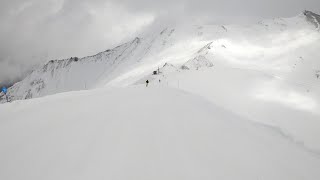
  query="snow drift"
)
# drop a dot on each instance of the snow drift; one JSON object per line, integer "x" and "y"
{"x": 142, "y": 133}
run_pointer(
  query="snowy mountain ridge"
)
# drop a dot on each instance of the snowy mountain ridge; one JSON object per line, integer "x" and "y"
{"x": 200, "y": 45}
{"x": 222, "y": 102}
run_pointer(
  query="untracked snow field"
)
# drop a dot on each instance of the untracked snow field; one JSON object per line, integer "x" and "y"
{"x": 291, "y": 107}
{"x": 142, "y": 133}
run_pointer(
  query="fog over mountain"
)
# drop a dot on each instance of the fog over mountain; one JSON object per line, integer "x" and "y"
{"x": 33, "y": 32}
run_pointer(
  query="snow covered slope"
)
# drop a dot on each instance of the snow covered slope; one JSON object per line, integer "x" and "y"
{"x": 283, "y": 46}
{"x": 230, "y": 102}
{"x": 267, "y": 73}
{"x": 142, "y": 133}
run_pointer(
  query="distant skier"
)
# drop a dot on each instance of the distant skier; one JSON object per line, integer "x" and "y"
{"x": 147, "y": 82}
{"x": 5, "y": 90}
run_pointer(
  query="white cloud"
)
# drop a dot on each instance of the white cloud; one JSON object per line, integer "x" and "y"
{"x": 35, "y": 31}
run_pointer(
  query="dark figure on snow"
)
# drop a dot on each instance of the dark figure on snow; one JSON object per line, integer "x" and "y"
{"x": 147, "y": 82}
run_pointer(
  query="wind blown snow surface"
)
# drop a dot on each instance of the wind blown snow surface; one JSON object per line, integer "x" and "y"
{"x": 229, "y": 102}
{"x": 142, "y": 133}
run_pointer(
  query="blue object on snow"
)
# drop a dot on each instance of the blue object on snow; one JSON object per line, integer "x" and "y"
{"x": 4, "y": 90}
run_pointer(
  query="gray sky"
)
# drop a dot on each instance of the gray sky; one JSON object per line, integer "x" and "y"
{"x": 35, "y": 31}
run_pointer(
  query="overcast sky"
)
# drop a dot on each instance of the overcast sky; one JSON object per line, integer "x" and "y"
{"x": 35, "y": 31}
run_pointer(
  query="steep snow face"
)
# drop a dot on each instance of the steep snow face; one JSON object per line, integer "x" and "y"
{"x": 286, "y": 47}
{"x": 73, "y": 74}
{"x": 142, "y": 133}
{"x": 197, "y": 62}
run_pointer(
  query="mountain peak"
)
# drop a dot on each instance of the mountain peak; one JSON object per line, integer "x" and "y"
{"x": 313, "y": 18}
{"x": 308, "y": 13}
